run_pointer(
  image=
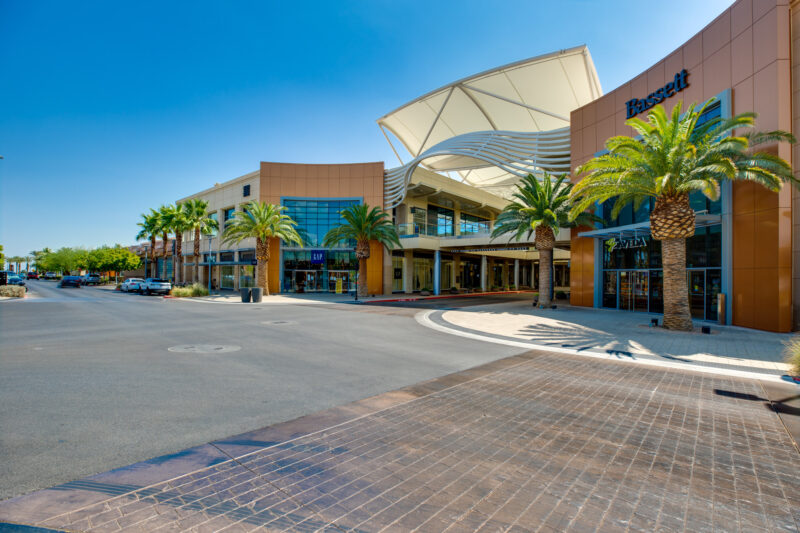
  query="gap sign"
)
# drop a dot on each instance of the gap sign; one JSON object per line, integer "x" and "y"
{"x": 636, "y": 106}
{"x": 317, "y": 257}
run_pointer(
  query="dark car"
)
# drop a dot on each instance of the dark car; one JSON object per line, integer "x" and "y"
{"x": 91, "y": 279}
{"x": 17, "y": 280}
{"x": 70, "y": 281}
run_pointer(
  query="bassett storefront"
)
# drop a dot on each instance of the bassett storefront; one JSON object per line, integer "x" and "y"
{"x": 743, "y": 247}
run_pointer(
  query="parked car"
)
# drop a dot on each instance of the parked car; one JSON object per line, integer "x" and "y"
{"x": 33, "y": 275}
{"x": 70, "y": 281}
{"x": 91, "y": 279}
{"x": 131, "y": 285}
{"x": 50, "y": 275}
{"x": 155, "y": 286}
{"x": 17, "y": 280}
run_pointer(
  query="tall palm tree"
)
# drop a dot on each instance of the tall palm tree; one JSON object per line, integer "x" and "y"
{"x": 363, "y": 224}
{"x": 164, "y": 228}
{"x": 149, "y": 231}
{"x": 674, "y": 157}
{"x": 541, "y": 208}
{"x": 262, "y": 221}
{"x": 198, "y": 220}
{"x": 175, "y": 218}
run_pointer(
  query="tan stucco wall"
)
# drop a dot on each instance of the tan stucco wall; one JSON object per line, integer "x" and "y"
{"x": 746, "y": 48}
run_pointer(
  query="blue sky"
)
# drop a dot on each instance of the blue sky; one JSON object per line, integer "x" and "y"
{"x": 110, "y": 108}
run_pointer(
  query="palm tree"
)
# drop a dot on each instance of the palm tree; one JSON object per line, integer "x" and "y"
{"x": 198, "y": 220}
{"x": 175, "y": 218}
{"x": 540, "y": 208}
{"x": 164, "y": 228}
{"x": 674, "y": 157}
{"x": 363, "y": 224}
{"x": 262, "y": 221}
{"x": 149, "y": 231}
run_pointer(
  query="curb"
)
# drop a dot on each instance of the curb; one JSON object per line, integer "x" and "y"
{"x": 444, "y": 296}
{"x": 423, "y": 319}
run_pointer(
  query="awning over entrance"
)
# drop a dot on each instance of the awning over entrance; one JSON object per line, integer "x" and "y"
{"x": 642, "y": 229}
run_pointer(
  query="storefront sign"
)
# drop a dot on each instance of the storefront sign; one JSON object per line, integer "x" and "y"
{"x": 398, "y": 273}
{"x": 625, "y": 244}
{"x": 636, "y": 106}
{"x": 317, "y": 257}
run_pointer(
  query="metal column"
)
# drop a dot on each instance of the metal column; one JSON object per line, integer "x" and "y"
{"x": 483, "y": 273}
{"x": 516, "y": 274}
{"x": 437, "y": 272}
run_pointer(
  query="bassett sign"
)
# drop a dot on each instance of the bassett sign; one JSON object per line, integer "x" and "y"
{"x": 679, "y": 83}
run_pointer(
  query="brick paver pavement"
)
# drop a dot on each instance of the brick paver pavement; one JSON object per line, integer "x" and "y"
{"x": 543, "y": 443}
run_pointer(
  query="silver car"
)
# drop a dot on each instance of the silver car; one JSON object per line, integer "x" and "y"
{"x": 131, "y": 285}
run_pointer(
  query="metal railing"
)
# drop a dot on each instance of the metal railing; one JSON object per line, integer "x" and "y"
{"x": 432, "y": 230}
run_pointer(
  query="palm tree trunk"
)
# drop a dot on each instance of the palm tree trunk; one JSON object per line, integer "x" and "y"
{"x": 164, "y": 239}
{"x": 152, "y": 257}
{"x": 262, "y": 258}
{"x": 196, "y": 255}
{"x": 545, "y": 278}
{"x": 178, "y": 258}
{"x": 676, "y": 289}
{"x": 362, "y": 278}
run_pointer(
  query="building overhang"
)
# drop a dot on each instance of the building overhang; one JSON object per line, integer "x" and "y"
{"x": 642, "y": 229}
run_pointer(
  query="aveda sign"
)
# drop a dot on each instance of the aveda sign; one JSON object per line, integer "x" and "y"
{"x": 679, "y": 83}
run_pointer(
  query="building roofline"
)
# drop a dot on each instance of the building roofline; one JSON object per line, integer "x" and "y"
{"x": 244, "y": 177}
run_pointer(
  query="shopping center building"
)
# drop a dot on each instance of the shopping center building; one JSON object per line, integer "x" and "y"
{"x": 462, "y": 147}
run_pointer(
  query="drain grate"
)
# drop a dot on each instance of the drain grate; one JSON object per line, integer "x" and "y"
{"x": 205, "y": 348}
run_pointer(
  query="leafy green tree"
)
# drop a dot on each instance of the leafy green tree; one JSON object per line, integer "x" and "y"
{"x": 2, "y": 256}
{"x": 540, "y": 208}
{"x": 674, "y": 157}
{"x": 263, "y": 222}
{"x": 199, "y": 221}
{"x": 150, "y": 229}
{"x": 65, "y": 260}
{"x": 363, "y": 224}
{"x": 120, "y": 259}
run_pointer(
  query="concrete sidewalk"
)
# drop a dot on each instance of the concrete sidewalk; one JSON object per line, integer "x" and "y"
{"x": 621, "y": 334}
{"x": 539, "y": 441}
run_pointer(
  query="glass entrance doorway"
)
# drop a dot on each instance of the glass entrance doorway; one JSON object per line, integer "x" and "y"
{"x": 633, "y": 290}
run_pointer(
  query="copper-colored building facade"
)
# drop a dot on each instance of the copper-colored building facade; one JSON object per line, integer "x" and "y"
{"x": 355, "y": 180}
{"x": 745, "y": 57}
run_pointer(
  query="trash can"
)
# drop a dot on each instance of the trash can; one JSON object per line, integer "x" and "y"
{"x": 245, "y": 291}
{"x": 257, "y": 292}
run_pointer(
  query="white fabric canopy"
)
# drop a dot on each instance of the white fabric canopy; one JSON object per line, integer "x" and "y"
{"x": 534, "y": 95}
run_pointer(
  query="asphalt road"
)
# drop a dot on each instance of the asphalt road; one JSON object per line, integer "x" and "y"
{"x": 88, "y": 383}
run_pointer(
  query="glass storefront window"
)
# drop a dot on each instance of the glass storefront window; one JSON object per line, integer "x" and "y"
{"x": 398, "y": 264}
{"x": 226, "y": 277}
{"x": 423, "y": 274}
{"x": 471, "y": 224}
{"x": 247, "y": 276}
{"x": 316, "y": 217}
{"x": 440, "y": 221}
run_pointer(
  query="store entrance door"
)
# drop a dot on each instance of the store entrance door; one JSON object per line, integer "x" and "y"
{"x": 633, "y": 290}
{"x": 697, "y": 293}
{"x": 307, "y": 280}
